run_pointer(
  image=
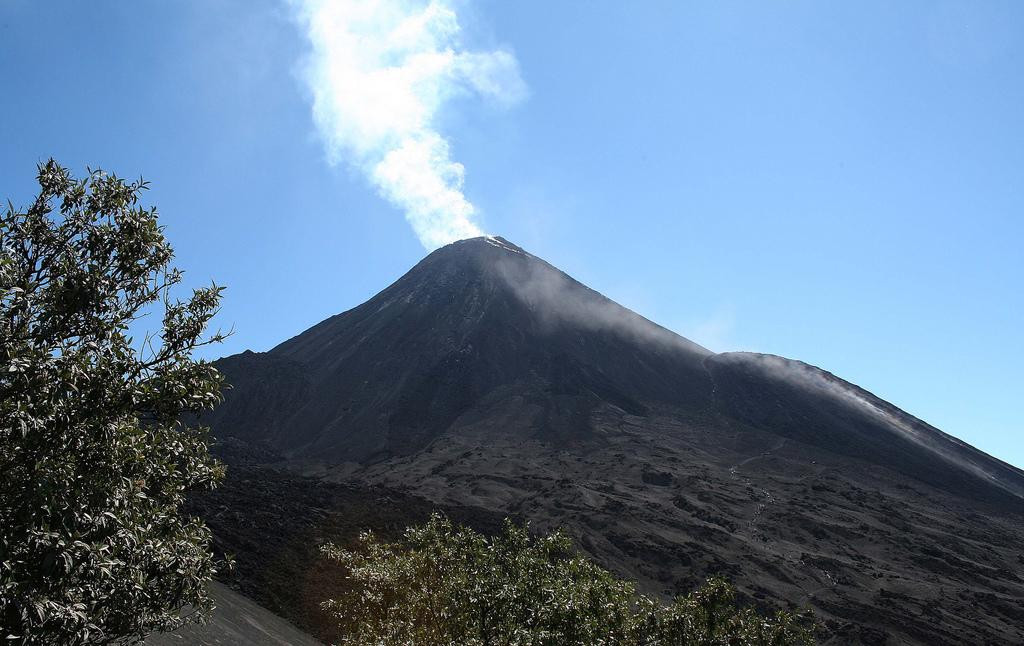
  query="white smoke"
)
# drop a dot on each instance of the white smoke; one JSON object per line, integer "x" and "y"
{"x": 380, "y": 72}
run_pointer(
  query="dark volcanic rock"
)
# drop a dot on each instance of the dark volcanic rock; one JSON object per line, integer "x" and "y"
{"x": 803, "y": 403}
{"x": 477, "y": 331}
{"x": 488, "y": 379}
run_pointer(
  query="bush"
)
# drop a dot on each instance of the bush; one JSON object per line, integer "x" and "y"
{"x": 94, "y": 463}
{"x": 450, "y": 585}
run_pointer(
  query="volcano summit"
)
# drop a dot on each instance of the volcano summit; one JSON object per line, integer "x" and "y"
{"x": 485, "y": 377}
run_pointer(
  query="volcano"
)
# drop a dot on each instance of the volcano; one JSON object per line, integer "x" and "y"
{"x": 486, "y": 377}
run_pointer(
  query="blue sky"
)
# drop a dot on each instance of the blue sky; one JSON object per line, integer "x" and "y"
{"x": 835, "y": 182}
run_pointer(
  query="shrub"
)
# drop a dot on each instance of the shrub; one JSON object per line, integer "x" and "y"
{"x": 94, "y": 463}
{"x": 444, "y": 584}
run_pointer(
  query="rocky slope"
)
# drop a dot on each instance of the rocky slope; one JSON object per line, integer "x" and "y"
{"x": 487, "y": 378}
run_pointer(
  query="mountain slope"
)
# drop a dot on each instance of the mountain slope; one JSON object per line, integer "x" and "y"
{"x": 236, "y": 620}
{"x": 486, "y": 377}
{"x": 804, "y": 403}
{"x": 477, "y": 323}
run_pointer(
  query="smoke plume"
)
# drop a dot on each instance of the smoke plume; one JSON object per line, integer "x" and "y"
{"x": 380, "y": 73}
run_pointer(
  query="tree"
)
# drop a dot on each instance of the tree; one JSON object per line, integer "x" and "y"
{"x": 94, "y": 461}
{"x": 444, "y": 584}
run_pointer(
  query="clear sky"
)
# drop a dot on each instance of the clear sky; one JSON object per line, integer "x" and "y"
{"x": 841, "y": 183}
